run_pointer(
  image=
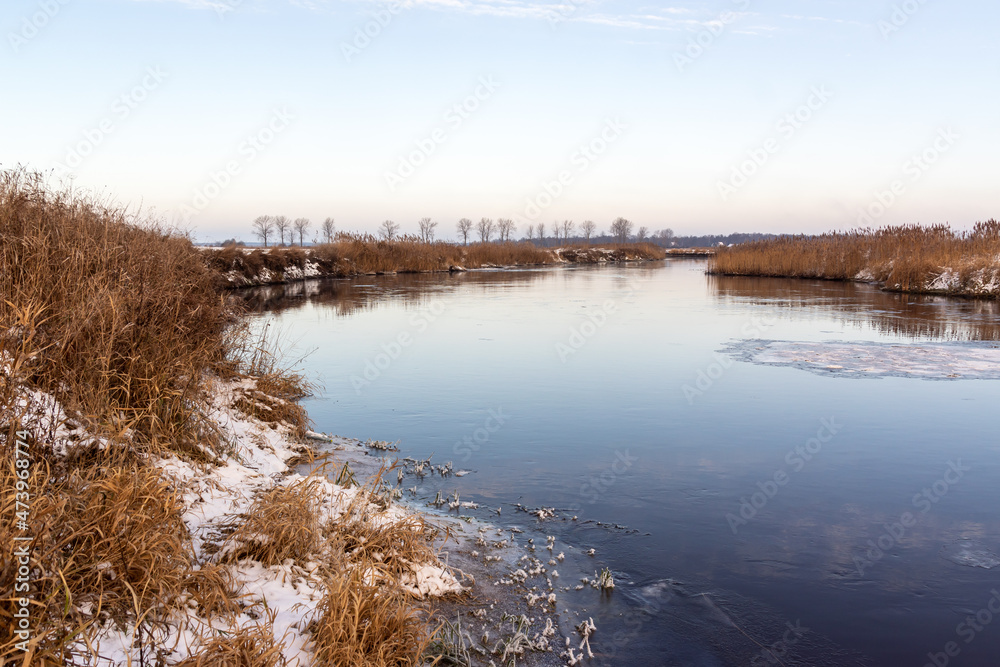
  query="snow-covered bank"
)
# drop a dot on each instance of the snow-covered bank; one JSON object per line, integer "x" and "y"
{"x": 283, "y": 597}
{"x": 932, "y": 361}
{"x": 500, "y": 597}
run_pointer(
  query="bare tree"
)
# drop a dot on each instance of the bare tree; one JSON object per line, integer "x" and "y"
{"x": 464, "y": 226}
{"x": 567, "y": 229}
{"x": 531, "y": 232}
{"x": 427, "y": 229}
{"x": 541, "y": 232}
{"x": 588, "y": 228}
{"x": 642, "y": 234}
{"x": 281, "y": 224}
{"x": 263, "y": 225}
{"x": 666, "y": 236}
{"x": 621, "y": 229}
{"x": 388, "y": 230}
{"x": 328, "y": 230}
{"x": 485, "y": 229}
{"x": 301, "y": 225}
{"x": 506, "y": 227}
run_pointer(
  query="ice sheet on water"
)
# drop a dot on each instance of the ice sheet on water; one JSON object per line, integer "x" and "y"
{"x": 970, "y": 554}
{"x": 931, "y": 361}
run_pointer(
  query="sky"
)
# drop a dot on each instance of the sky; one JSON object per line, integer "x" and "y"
{"x": 704, "y": 117}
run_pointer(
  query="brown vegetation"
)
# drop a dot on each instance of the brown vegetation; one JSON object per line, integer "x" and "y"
{"x": 907, "y": 258}
{"x": 123, "y": 325}
{"x": 353, "y": 254}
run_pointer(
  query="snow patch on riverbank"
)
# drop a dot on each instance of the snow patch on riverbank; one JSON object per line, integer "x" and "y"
{"x": 214, "y": 498}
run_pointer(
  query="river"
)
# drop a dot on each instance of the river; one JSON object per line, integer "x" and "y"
{"x": 833, "y": 518}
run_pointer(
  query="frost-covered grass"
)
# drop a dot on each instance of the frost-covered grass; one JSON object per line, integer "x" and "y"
{"x": 909, "y": 258}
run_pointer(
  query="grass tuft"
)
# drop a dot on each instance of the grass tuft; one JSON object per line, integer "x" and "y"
{"x": 362, "y": 625}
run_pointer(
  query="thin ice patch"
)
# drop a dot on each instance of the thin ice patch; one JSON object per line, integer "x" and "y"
{"x": 970, "y": 554}
{"x": 929, "y": 361}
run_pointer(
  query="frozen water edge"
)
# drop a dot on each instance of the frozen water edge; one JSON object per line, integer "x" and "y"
{"x": 929, "y": 361}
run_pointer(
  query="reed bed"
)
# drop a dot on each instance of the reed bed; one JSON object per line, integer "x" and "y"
{"x": 909, "y": 258}
{"x": 122, "y": 327}
{"x": 361, "y": 254}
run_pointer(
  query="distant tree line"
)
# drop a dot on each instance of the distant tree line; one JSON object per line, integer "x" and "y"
{"x": 280, "y": 230}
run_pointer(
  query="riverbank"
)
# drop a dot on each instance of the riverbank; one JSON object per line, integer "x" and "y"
{"x": 911, "y": 259}
{"x": 364, "y": 255}
{"x": 278, "y": 556}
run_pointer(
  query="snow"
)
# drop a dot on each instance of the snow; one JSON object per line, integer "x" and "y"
{"x": 213, "y": 496}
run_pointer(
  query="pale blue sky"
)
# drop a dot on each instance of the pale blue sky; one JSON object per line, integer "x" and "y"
{"x": 334, "y": 116}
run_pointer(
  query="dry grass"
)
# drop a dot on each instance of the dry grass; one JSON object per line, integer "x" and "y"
{"x": 365, "y": 618}
{"x": 282, "y": 523}
{"x": 357, "y": 254}
{"x": 908, "y": 258}
{"x": 127, "y": 315}
{"x": 362, "y": 625}
{"x": 253, "y": 646}
{"x": 108, "y": 545}
{"x": 386, "y": 549}
{"x": 622, "y": 252}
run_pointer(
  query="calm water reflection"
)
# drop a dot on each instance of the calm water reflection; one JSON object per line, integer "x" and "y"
{"x": 595, "y": 366}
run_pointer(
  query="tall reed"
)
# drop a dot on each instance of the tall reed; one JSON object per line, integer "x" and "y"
{"x": 908, "y": 258}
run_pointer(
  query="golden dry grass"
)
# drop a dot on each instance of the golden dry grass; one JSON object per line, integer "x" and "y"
{"x": 108, "y": 539}
{"x": 252, "y": 646}
{"x": 282, "y": 523}
{"x": 362, "y": 625}
{"x": 127, "y": 314}
{"x": 906, "y": 258}
{"x": 357, "y": 254}
{"x": 382, "y": 547}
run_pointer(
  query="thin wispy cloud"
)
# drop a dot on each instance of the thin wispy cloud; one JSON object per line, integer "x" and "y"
{"x": 660, "y": 18}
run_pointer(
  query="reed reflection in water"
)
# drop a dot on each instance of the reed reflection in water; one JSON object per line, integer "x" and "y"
{"x": 866, "y": 307}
